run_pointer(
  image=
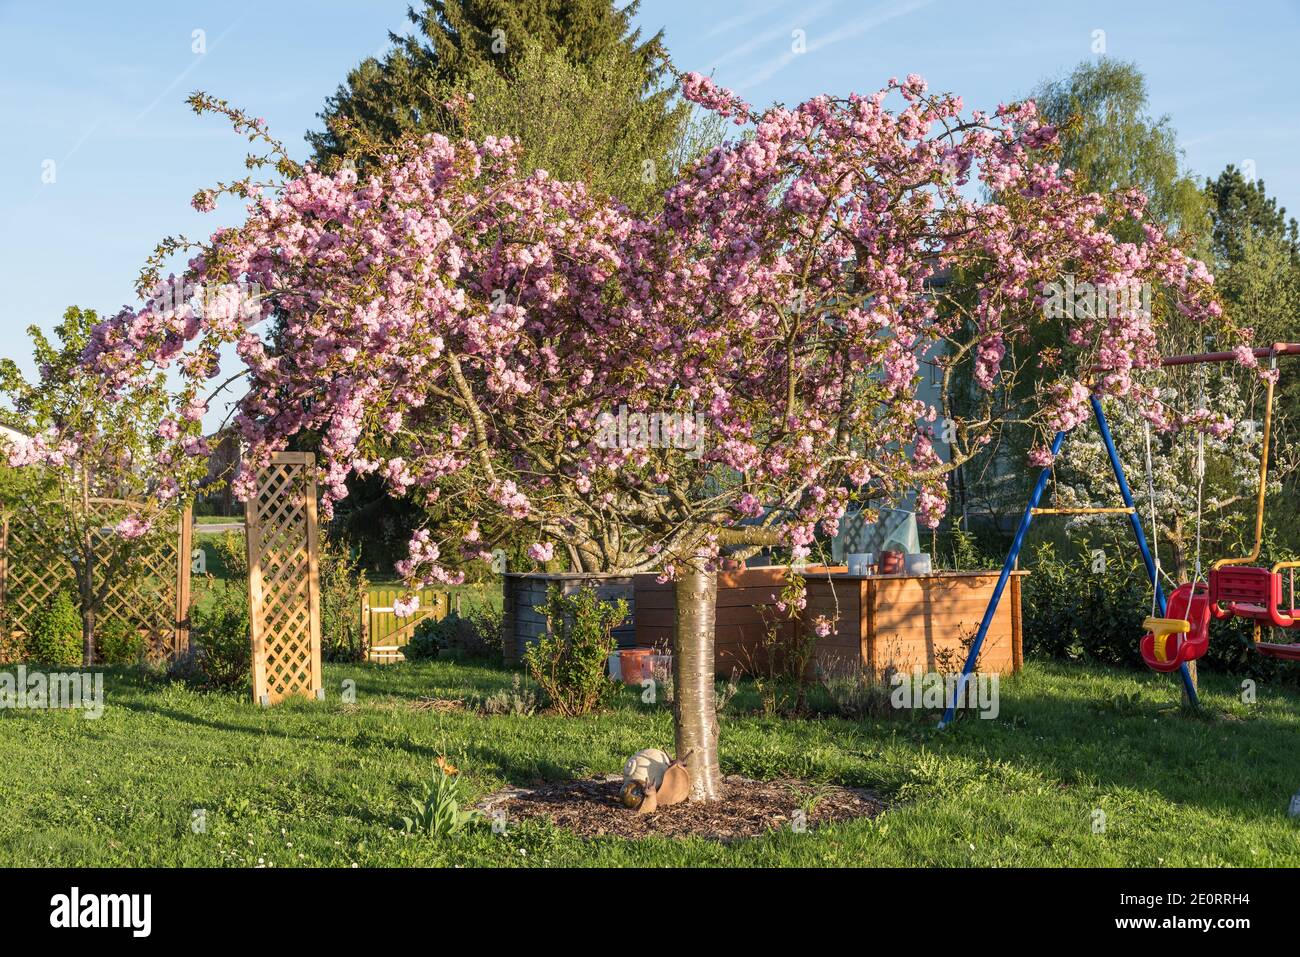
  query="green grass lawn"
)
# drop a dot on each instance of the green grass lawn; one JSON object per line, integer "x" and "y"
{"x": 324, "y": 783}
{"x": 218, "y": 519}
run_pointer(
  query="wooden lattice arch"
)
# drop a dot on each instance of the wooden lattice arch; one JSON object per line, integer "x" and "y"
{"x": 154, "y": 597}
{"x": 283, "y": 580}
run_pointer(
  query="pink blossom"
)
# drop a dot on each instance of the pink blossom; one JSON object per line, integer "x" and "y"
{"x": 450, "y": 322}
{"x": 1041, "y": 457}
{"x": 131, "y": 527}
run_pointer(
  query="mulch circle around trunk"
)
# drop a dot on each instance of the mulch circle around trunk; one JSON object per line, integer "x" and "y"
{"x": 590, "y": 808}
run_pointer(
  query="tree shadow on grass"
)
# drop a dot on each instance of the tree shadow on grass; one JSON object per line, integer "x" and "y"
{"x": 363, "y": 740}
{"x": 516, "y": 768}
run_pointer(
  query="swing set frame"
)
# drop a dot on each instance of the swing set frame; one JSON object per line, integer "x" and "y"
{"x": 1276, "y": 351}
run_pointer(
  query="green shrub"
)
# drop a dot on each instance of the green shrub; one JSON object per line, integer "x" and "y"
{"x": 472, "y": 633}
{"x": 55, "y": 637}
{"x": 429, "y": 639}
{"x": 231, "y": 555}
{"x": 220, "y": 655}
{"x": 568, "y": 662}
{"x": 341, "y": 585}
{"x": 119, "y": 642}
{"x": 1072, "y": 612}
{"x": 482, "y": 637}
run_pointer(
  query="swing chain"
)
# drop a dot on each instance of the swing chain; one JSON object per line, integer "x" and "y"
{"x": 1155, "y": 532}
{"x": 1200, "y": 470}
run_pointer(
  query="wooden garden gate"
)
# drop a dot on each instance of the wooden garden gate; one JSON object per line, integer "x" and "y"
{"x": 154, "y": 598}
{"x": 383, "y": 634}
{"x": 283, "y": 580}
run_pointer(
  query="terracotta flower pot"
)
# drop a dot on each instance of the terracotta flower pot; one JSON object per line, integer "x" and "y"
{"x": 634, "y": 665}
{"x": 891, "y": 563}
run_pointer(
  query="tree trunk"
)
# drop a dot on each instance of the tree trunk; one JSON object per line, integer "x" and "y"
{"x": 87, "y": 636}
{"x": 86, "y": 589}
{"x": 1178, "y": 551}
{"x": 694, "y": 711}
{"x": 87, "y": 582}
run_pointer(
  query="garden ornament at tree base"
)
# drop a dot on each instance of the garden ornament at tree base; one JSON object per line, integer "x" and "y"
{"x": 651, "y": 779}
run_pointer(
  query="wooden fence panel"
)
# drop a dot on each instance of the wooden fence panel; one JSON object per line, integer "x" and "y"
{"x": 154, "y": 597}
{"x": 284, "y": 580}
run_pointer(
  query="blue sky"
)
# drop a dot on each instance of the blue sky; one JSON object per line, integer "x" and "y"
{"x": 99, "y": 89}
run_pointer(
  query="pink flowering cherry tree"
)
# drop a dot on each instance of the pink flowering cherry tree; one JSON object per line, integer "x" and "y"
{"x": 798, "y": 277}
{"x": 727, "y": 375}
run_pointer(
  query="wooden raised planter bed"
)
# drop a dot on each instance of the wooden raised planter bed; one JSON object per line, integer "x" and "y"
{"x": 914, "y": 623}
{"x": 746, "y": 603}
{"x": 902, "y": 621}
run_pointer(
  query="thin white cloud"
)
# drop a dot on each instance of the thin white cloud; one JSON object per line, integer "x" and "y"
{"x": 732, "y": 23}
{"x": 199, "y": 58}
{"x": 855, "y": 28}
{"x": 805, "y": 17}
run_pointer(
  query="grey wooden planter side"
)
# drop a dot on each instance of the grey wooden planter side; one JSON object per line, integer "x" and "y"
{"x": 521, "y": 623}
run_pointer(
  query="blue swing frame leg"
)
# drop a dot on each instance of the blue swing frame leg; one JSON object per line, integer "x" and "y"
{"x": 1018, "y": 542}
{"x": 1189, "y": 685}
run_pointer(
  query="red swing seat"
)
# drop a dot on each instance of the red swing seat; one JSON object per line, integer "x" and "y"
{"x": 1244, "y": 591}
{"x": 1168, "y": 649}
{"x": 1282, "y": 652}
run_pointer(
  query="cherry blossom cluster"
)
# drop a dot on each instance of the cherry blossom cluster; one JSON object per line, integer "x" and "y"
{"x": 458, "y": 326}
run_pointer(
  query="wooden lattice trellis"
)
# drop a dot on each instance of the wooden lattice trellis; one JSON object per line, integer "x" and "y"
{"x": 283, "y": 581}
{"x": 154, "y": 597}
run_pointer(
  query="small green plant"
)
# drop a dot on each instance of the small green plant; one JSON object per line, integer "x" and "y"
{"x": 341, "y": 582}
{"x": 118, "y": 642}
{"x": 440, "y": 813}
{"x": 568, "y": 662}
{"x": 220, "y": 656}
{"x": 783, "y": 665}
{"x": 855, "y": 693}
{"x": 724, "y": 692}
{"x": 55, "y": 637}
{"x": 518, "y": 700}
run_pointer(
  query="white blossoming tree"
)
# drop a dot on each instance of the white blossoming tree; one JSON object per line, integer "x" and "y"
{"x": 1231, "y": 461}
